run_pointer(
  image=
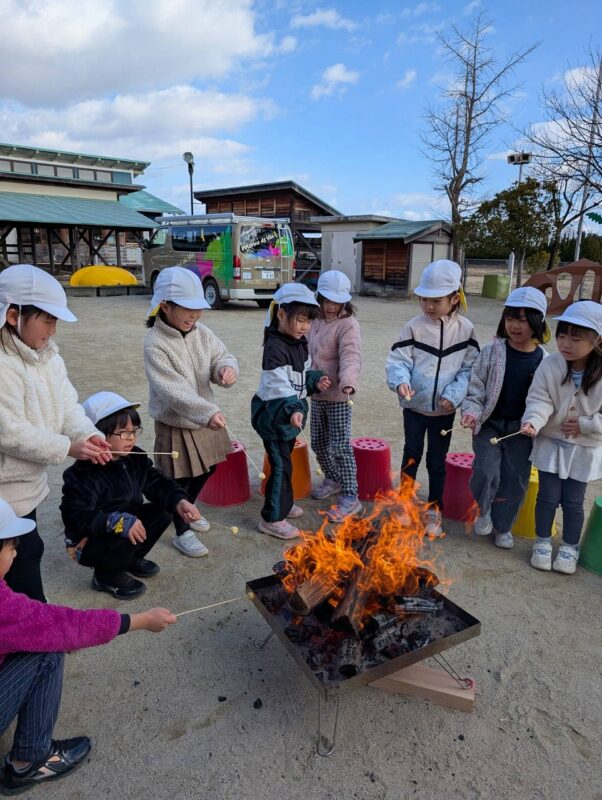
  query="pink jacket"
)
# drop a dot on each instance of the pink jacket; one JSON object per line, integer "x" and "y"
{"x": 335, "y": 348}
{"x": 28, "y": 626}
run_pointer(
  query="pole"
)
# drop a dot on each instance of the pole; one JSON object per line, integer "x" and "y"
{"x": 520, "y": 172}
{"x": 190, "y": 171}
{"x": 588, "y": 168}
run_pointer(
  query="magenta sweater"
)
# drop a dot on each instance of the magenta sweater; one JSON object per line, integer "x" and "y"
{"x": 335, "y": 348}
{"x": 28, "y": 626}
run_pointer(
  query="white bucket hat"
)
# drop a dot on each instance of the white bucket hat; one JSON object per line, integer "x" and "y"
{"x": 334, "y": 285}
{"x": 103, "y": 404}
{"x": 528, "y": 297}
{"x": 181, "y": 286}
{"x": 585, "y": 313}
{"x": 11, "y": 525}
{"x": 439, "y": 279}
{"x": 26, "y": 285}
{"x": 290, "y": 293}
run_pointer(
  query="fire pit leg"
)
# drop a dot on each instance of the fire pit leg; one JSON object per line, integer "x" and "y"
{"x": 324, "y": 745}
{"x": 261, "y": 643}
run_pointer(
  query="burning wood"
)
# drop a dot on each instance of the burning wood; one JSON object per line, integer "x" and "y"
{"x": 350, "y": 657}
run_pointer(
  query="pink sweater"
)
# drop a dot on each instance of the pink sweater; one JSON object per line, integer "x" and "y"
{"x": 28, "y": 626}
{"x": 335, "y": 348}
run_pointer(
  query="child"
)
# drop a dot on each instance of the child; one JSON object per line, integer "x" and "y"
{"x": 108, "y": 526}
{"x": 33, "y": 641}
{"x": 429, "y": 368}
{"x": 279, "y": 408}
{"x": 335, "y": 349}
{"x": 182, "y": 359}
{"x": 41, "y": 422}
{"x": 563, "y": 413}
{"x": 494, "y": 406}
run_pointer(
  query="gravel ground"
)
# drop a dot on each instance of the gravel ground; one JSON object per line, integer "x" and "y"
{"x": 152, "y": 703}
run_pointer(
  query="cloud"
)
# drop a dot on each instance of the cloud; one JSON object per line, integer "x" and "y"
{"x": 409, "y": 76}
{"x": 420, "y": 9}
{"x": 420, "y": 205}
{"x": 324, "y": 18}
{"x": 422, "y": 33}
{"x": 469, "y": 8}
{"x": 335, "y": 80}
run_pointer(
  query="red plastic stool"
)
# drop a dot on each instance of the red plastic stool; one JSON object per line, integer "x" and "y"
{"x": 229, "y": 484}
{"x": 457, "y": 497}
{"x": 301, "y": 471}
{"x": 373, "y": 462}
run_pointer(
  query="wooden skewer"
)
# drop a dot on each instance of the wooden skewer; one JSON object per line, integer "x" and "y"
{"x": 235, "y": 438}
{"x": 311, "y": 453}
{"x": 496, "y": 439}
{"x": 213, "y": 605}
{"x": 174, "y": 453}
{"x": 232, "y": 528}
{"x": 449, "y": 430}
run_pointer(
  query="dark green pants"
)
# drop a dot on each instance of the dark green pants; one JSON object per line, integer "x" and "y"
{"x": 279, "y": 488}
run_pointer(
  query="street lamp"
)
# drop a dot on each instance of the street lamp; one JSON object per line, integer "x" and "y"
{"x": 520, "y": 159}
{"x": 189, "y": 159}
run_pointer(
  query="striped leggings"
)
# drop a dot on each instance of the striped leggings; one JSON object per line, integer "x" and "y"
{"x": 331, "y": 442}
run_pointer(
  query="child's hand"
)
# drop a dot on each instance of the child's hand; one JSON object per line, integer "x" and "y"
{"x": 188, "y": 511}
{"x": 324, "y": 383}
{"x": 468, "y": 421}
{"x": 227, "y": 376}
{"x": 217, "y": 422}
{"x": 446, "y": 405}
{"x": 528, "y": 430}
{"x": 137, "y": 533}
{"x": 404, "y": 390}
{"x": 297, "y": 419}
{"x": 155, "y": 620}
{"x": 570, "y": 427}
{"x": 348, "y": 390}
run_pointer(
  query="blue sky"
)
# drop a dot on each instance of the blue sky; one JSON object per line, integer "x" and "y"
{"x": 328, "y": 94}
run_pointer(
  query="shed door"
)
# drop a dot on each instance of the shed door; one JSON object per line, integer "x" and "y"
{"x": 422, "y": 254}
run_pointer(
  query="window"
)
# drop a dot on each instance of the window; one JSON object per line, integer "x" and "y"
{"x": 86, "y": 174}
{"x": 64, "y": 172}
{"x": 105, "y": 177}
{"x": 5, "y": 166}
{"x": 159, "y": 239}
{"x": 195, "y": 238}
{"x": 122, "y": 177}
{"x": 45, "y": 169}
{"x": 22, "y": 167}
{"x": 259, "y": 239}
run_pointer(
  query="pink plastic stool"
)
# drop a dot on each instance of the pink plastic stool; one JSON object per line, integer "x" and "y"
{"x": 229, "y": 484}
{"x": 457, "y": 498}
{"x": 373, "y": 461}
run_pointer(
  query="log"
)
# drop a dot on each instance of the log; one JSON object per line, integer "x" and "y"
{"x": 349, "y": 657}
{"x": 310, "y": 594}
{"x": 431, "y": 684}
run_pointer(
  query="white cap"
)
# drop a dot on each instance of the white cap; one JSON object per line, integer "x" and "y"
{"x": 586, "y": 313}
{"x": 334, "y": 285}
{"x": 103, "y": 404}
{"x": 528, "y": 297}
{"x": 439, "y": 279}
{"x": 181, "y": 286}
{"x": 295, "y": 293}
{"x": 11, "y": 525}
{"x": 26, "y": 285}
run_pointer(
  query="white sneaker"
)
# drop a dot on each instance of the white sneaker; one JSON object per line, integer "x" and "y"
{"x": 483, "y": 525}
{"x": 295, "y": 512}
{"x": 566, "y": 559}
{"x": 201, "y": 525}
{"x": 541, "y": 557}
{"x": 188, "y": 544}
{"x": 433, "y": 526}
{"x": 504, "y": 540}
{"x": 281, "y": 529}
{"x": 325, "y": 489}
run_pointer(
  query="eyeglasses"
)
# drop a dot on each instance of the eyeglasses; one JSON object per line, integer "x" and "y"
{"x": 128, "y": 434}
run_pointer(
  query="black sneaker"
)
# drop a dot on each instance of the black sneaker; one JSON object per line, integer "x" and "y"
{"x": 143, "y": 568}
{"x": 65, "y": 756}
{"x": 123, "y": 587}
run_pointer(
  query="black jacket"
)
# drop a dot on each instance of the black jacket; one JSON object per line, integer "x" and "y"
{"x": 92, "y": 491}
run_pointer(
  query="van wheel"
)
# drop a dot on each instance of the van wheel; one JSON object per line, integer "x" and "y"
{"x": 263, "y": 303}
{"x": 153, "y": 281}
{"x": 212, "y": 295}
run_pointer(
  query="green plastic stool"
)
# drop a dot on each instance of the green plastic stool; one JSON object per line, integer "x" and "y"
{"x": 590, "y": 553}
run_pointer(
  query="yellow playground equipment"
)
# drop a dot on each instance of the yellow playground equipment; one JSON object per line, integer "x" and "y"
{"x": 102, "y": 276}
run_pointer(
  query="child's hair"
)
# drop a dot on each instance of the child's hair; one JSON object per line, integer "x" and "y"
{"x": 8, "y": 542}
{"x": 292, "y": 311}
{"x": 593, "y": 368}
{"x": 535, "y": 319}
{"x": 150, "y": 321}
{"x": 119, "y": 419}
{"x": 346, "y": 310}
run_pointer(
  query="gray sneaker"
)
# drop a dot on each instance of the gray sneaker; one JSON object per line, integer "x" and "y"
{"x": 483, "y": 525}
{"x": 541, "y": 558}
{"x": 566, "y": 559}
{"x": 188, "y": 544}
{"x": 325, "y": 489}
{"x": 504, "y": 540}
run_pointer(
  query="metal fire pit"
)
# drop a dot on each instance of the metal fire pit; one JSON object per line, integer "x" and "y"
{"x": 450, "y": 626}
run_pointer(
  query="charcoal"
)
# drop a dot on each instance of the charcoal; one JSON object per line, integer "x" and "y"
{"x": 301, "y": 633}
{"x": 388, "y": 637}
{"x": 378, "y": 622}
{"x": 349, "y": 657}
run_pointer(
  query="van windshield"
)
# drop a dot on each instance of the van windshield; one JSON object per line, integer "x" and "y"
{"x": 159, "y": 239}
{"x": 260, "y": 240}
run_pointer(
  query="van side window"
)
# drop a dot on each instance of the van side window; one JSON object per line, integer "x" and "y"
{"x": 195, "y": 238}
{"x": 259, "y": 240}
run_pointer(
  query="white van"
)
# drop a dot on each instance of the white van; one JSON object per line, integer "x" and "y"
{"x": 236, "y": 258}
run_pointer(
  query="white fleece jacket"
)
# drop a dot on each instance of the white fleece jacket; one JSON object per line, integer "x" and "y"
{"x": 39, "y": 418}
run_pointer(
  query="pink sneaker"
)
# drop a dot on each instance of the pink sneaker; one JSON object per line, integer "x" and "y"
{"x": 295, "y": 512}
{"x": 281, "y": 529}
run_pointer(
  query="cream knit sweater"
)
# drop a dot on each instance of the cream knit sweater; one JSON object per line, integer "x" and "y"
{"x": 39, "y": 418}
{"x": 180, "y": 370}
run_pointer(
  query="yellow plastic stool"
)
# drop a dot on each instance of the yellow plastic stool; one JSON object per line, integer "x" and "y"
{"x": 524, "y": 524}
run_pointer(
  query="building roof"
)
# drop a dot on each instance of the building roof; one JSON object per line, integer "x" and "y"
{"x": 65, "y": 156}
{"x": 355, "y": 218}
{"x": 56, "y": 210}
{"x": 404, "y": 229}
{"x": 266, "y": 187}
{"x": 147, "y": 203}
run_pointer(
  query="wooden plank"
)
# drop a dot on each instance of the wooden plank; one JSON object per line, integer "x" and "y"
{"x": 431, "y": 684}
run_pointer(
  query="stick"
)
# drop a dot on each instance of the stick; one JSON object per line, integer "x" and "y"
{"x": 232, "y": 528}
{"x": 311, "y": 453}
{"x": 235, "y": 438}
{"x": 449, "y": 430}
{"x": 213, "y": 605}
{"x": 496, "y": 440}
{"x": 174, "y": 453}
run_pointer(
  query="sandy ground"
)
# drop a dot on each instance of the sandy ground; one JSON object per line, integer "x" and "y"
{"x": 150, "y": 702}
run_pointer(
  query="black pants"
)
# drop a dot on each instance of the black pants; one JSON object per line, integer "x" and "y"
{"x": 568, "y": 493}
{"x": 25, "y": 576}
{"x": 110, "y": 555}
{"x": 279, "y": 487}
{"x": 415, "y": 427}
{"x": 192, "y": 487}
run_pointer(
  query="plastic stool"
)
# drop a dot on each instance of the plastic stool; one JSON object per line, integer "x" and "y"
{"x": 373, "y": 462}
{"x": 590, "y": 553}
{"x": 301, "y": 471}
{"x": 458, "y": 502}
{"x": 229, "y": 484}
{"x": 524, "y": 524}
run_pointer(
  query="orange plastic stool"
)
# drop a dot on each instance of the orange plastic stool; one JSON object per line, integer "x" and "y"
{"x": 457, "y": 497}
{"x": 301, "y": 471}
{"x": 373, "y": 462}
{"x": 229, "y": 484}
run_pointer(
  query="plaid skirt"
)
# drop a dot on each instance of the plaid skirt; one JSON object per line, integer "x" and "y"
{"x": 198, "y": 449}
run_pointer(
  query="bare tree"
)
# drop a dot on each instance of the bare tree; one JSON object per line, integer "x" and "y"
{"x": 457, "y": 130}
